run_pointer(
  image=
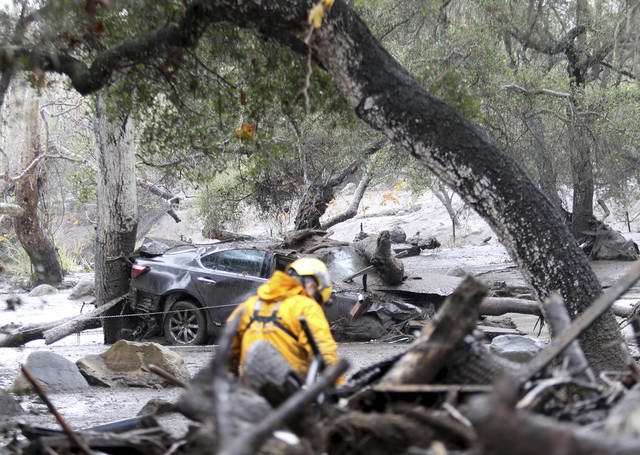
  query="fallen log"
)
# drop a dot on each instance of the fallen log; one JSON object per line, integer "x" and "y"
{"x": 497, "y": 306}
{"x": 79, "y": 323}
{"x": 377, "y": 251}
{"x": 53, "y": 331}
{"x": 438, "y": 341}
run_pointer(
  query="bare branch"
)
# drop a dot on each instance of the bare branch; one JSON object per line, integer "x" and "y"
{"x": 541, "y": 91}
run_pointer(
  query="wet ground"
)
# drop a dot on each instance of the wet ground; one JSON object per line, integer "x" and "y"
{"x": 98, "y": 405}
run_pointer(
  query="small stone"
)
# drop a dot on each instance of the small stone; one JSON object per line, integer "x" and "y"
{"x": 43, "y": 289}
{"x": 516, "y": 348}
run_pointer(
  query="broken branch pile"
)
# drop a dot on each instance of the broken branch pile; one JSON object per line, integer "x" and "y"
{"x": 446, "y": 393}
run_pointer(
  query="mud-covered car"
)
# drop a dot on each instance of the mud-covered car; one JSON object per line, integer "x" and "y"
{"x": 187, "y": 294}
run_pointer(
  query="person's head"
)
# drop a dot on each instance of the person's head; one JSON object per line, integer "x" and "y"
{"x": 314, "y": 277}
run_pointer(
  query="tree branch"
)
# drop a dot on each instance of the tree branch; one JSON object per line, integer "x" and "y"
{"x": 541, "y": 91}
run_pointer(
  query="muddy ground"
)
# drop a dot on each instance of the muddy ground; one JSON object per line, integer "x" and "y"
{"x": 99, "y": 405}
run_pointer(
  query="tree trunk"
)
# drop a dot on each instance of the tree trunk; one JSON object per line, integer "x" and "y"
{"x": 117, "y": 209}
{"x": 352, "y": 210}
{"x": 547, "y": 178}
{"x": 41, "y": 250}
{"x": 312, "y": 206}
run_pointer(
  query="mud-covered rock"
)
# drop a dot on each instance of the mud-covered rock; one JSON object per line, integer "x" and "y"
{"x": 125, "y": 364}
{"x": 52, "y": 371}
{"x": 43, "y": 289}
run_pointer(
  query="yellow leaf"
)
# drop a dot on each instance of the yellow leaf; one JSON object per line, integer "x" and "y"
{"x": 328, "y": 4}
{"x": 75, "y": 222}
{"x": 315, "y": 16}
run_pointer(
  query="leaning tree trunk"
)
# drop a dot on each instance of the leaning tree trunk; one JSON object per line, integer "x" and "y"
{"x": 117, "y": 209}
{"x": 39, "y": 247}
{"x": 388, "y": 98}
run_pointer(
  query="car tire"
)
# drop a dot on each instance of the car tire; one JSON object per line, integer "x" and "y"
{"x": 185, "y": 324}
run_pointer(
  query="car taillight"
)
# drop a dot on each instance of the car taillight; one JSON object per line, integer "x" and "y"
{"x": 137, "y": 270}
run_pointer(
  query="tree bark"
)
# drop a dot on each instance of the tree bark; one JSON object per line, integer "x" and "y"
{"x": 39, "y": 247}
{"x": 117, "y": 209}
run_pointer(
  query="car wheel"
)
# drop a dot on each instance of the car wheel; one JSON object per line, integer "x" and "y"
{"x": 185, "y": 324}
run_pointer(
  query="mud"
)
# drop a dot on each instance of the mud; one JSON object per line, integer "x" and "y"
{"x": 101, "y": 405}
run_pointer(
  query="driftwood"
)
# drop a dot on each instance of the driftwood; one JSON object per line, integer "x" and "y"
{"x": 377, "y": 251}
{"x": 556, "y": 315}
{"x": 452, "y": 323}
{"x": 53, "y": 331}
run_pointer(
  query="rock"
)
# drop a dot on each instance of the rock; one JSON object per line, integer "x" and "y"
{"x": 156, "y": 406}
{"x": 456, "y": 271}
{"x": 124, "y": 364}
{"x": 397, "y": 235}
{"x": 425, "y": 243}
{"x": 366, "y": 328}
{"x": 84, "y": 288}
{"x": 516, "y": 348}
{"x": 54, "y": 372}
{"x": 9, "y": 407}
{"x": 43, "y": 289}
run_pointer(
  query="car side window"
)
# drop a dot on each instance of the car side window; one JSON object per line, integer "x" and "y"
{"x": 237, "y": 261}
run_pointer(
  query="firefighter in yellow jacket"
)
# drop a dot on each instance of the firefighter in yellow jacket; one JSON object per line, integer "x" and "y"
{"x": 273, "y": 316}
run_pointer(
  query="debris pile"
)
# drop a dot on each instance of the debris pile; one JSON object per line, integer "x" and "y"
{"x": 447, "y": 393}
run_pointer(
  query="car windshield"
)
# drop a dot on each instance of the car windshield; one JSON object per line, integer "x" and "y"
{"x": 248, "y": 262}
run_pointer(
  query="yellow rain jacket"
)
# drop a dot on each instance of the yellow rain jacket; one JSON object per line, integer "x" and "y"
{"x": 286, "y": 335}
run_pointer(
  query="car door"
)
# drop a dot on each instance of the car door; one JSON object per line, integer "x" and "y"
{"x": 229, "y": 277}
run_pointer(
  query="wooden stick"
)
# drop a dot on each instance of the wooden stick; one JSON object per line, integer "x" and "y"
{"x": 432, "y": 388}
{"x": 166, "y": 375}
{"x": 580, "y": 324}
{"x": 556, "y": 315}
{"x": 63, "y": 423}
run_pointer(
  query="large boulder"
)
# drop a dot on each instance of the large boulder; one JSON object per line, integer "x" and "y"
{"x": 125, "y": 364}
{"x": 52, "y": 371}
{"x": 84, "y": 288}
